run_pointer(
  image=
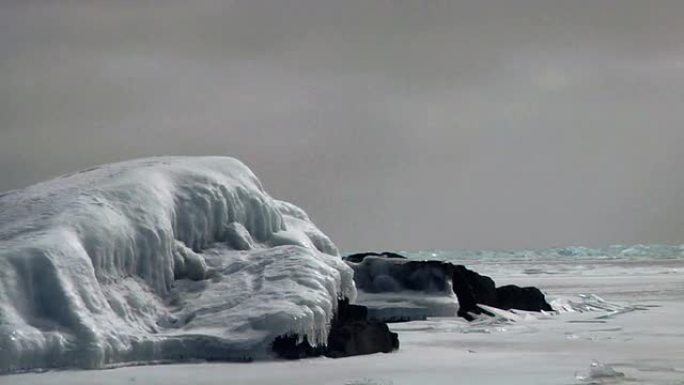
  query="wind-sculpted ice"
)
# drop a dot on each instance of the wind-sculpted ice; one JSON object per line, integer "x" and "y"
{"x": 161, "y": 259}
{"x": 591, "y": 303}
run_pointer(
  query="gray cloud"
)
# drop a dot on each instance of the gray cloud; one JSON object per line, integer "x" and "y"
{"x": 395, "y": 124}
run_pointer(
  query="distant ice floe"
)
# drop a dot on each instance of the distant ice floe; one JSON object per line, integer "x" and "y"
{"x": 160, "y": 259}
{"x": 575, "y": 253}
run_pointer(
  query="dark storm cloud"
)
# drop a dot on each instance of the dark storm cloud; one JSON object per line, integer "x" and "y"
{"x": 395, "y": 124}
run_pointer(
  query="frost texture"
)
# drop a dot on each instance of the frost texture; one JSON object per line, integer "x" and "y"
{"x": 161, "y": 259}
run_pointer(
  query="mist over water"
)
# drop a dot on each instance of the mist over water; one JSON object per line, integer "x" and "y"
{"x": 394, "y": 124}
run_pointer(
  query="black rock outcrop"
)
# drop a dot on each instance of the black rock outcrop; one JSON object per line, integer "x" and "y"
{"x": 290, "y": 348}
{"x": 361, "y": 337}
{"x": 472, "y": 289}
{"x": 351, "y": 334}
{"x": 358, "y": 257}
{"x": 523, "y": 298}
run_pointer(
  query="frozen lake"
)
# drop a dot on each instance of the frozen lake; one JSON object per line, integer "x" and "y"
{"x": 631, "y": 333}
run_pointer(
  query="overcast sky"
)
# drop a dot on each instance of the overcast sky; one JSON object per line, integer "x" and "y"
{"x": 394, "y": 124}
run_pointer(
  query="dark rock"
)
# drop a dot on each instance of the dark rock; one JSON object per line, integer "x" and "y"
{"x": 361, "y": 337}
{"x": 472, "y": 289}
{"x": 350, "y": 334}
{"x": 467, "y": 303}
{"x": 482, "y": 287}
{"x": 347, "y": 312}
{"x": 290, "y": 348}
{"x": 389, "y": 254}
{"x": 359, "y": 257}
{"x": 522, "y": 298}
{"x": 407, "y": 316}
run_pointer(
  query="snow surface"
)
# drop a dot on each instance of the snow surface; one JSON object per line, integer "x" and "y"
{"x": 157, "y": 260}
{"x": 620, "y": 323}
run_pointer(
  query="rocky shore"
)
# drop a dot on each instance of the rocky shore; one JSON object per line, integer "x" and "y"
{"x": 355, "y": 332}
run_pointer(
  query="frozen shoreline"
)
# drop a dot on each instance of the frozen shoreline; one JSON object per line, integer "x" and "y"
{"x": 644, "y": 345}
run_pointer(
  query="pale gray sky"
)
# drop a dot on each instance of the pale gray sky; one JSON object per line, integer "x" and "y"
{"x": 394, "y": 124}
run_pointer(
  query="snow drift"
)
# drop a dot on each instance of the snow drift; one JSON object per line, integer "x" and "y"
{"x": 161, "y": 259}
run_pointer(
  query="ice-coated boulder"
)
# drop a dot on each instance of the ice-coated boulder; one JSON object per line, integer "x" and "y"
{"x": 159, "y": 259}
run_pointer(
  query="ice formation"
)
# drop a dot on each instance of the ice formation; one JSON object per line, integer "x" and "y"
{"x": 160, "y": 259}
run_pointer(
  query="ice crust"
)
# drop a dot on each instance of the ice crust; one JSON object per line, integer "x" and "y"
{"x": 160, "y": 259}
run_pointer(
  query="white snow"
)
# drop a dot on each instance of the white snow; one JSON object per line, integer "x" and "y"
{"x": 160, "y": 259}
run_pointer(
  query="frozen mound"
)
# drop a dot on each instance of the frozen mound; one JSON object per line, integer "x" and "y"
{"x": 161, "y": 259}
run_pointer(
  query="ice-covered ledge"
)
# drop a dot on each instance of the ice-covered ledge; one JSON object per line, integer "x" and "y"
{"x": 160, "y": 259}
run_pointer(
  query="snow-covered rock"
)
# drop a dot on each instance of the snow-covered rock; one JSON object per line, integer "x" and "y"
{"x": 160, "y": 259}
